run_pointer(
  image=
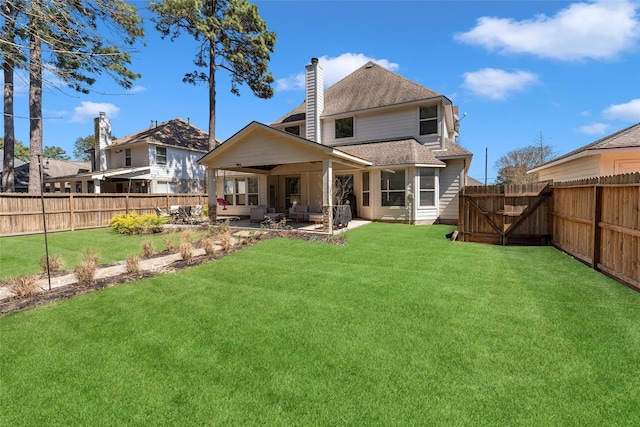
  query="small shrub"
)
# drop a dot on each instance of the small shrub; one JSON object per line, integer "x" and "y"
{"x": 133, "y": 264}
{"x": 170, "y": 245}
{"x": 55, "y": 263}
{"x": 186, "y": 234}
{"x": 220, "y": 228}
{"x": 147, "y": 248}
{"x": 86, "y": 271}
{"x": 209, "y": 245}
{"x": 186, "y": 250}
{"x": 24, "y": 286}
{"x": 132, "y": 223}
{"x": 226, "y": 240}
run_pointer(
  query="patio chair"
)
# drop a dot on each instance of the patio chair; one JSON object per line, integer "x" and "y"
{"x": 161, "y": 213}
{"x": 223, "y": 203}
{"x": 184, "y": 214}
{"x": 197, "y": 211}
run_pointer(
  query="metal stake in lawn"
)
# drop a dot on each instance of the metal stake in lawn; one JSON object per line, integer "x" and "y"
{"x": 44, "y": 220}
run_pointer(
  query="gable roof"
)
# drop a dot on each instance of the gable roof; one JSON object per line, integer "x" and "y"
{"x": 261, "y": 134}
{"x": 176, "y": 132}
{"x": 370, "y": 86}
{"x": 625, "y": 138}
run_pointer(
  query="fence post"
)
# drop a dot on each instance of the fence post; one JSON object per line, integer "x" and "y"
{"x": 596, "y": 233}
{"x": 71, "y": 215}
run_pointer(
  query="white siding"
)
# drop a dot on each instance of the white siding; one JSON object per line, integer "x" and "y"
{"x": 181, "y": 164}
{"x": 387, "y": 124}
{"x": 139, "y": 157}
{"x": 451, "y": 180}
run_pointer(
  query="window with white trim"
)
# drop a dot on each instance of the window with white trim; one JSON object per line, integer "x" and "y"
{"x": 241, "y": 191}
{"x": 365, "y": 189}
{"x": 344, "y": 128}
{"x": 161, "y": 155}
{"x": 429, "y": 120}
{"x": 127, "y": 157}
{"x": 427, "y": 186}
{"x": 392, "y": 187}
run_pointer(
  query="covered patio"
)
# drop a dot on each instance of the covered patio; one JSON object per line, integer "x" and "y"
{"x": 264, "y": 167}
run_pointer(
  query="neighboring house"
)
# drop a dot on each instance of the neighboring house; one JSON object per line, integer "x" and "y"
{"x": 615, "y": 154}
{"x": 387, "y": 140}
{"x": 16, "y": 163}
{"x": 160, "y": 159}
{"x": 52, "y": 169}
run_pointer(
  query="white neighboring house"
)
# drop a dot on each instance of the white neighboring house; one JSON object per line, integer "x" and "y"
{"x": 618, "y": 153}
{"x": 160, "y": 159}
{"x": 391, "y": 140}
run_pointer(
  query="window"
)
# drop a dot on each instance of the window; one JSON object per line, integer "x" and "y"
{"x": 127, "y": 157}
{"x": 392, "y": 187}
{"x": 427, "y": 186}
{"x": 161, "y": 155}
{"x": 292, "y": 191}
{"x": 344, "y": 128}
{"x": 429, "y": 120}
{"x": 241, "y": 191}
{"x": 167, "y": 187}
{"x": 365, "y": 189}
{"x": 293, "y": 129}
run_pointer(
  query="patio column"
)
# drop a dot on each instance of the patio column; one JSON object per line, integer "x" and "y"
{"x": 327, "y": 194}
{"x": 212, "y": 189}
{"x": 96, "y": 186}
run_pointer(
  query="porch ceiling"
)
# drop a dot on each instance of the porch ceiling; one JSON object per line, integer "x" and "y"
{"x": 259, "y": 148}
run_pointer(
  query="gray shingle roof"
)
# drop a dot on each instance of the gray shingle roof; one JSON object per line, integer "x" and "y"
{"x": 370, "y": 86}
{"x": 397, "y": 152}
{"x": 452, "y": 149}
{"x": 176, "y": 132}
{"x": 625, "y": 138}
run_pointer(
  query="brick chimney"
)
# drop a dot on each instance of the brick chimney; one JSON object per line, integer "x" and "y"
{"x": 314, "y": 84}
{"x": 102, "y": 132}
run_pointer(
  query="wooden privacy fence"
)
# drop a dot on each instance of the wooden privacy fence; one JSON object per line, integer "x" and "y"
{"x": 598, "y": 221}
{"x": 595, "y": 220}
{"x": 21, "y": 213}
{"x": 505, "y": 214}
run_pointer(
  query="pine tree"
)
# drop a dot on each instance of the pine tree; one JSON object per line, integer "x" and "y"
{"x": 232, "y": 36}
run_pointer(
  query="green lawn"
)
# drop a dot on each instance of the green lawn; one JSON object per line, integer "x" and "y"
{"x": 398, "y": 327}
{"x": 21, "y": 255}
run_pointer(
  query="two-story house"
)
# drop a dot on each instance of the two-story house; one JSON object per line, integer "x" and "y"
{"x": 160, "y": 159}
{"x": 388, "y": 139}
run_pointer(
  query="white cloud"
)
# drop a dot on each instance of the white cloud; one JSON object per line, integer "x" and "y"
{"x": 627, "y": 112}
{"x": 594, "y": 129}
{"x": 498, "y": 84}
{"x": 89, "y": 110}
{"x": 334, "y": 70}
{"x": 137, "y": 89}
{"x": 598, "y": 30}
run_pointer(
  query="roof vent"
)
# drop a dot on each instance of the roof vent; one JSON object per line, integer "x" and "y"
{"x": 369, "y": 65}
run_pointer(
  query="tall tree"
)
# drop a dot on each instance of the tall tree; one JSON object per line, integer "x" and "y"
{"x": 54, "y": 152}
{"x": 19, "y": 150}
{"x": 70, "y": 39}
{"x": 82, "y": 146}
{"x": 11, "y": 54}
{"x": 513, "y": 166}
{"x": 232, "y": 36}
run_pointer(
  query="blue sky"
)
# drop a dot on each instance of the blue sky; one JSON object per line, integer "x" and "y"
{"x": 569, "y": 71}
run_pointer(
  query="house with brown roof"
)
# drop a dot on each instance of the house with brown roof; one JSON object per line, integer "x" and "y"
{"x": 160, "y": 159}
{"x": 618, "y": 153}
{"x": 377, "y": 139}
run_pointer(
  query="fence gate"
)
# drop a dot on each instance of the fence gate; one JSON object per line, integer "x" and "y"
{"x": 513, "y": 214}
